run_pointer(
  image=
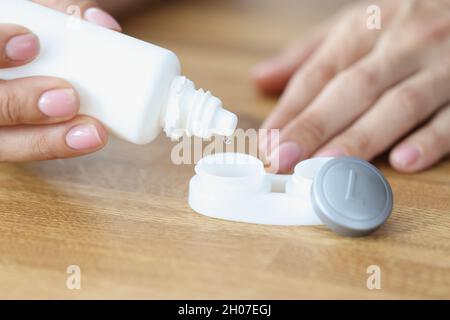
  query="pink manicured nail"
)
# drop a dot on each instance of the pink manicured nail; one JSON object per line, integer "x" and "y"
{"x": 336, "y": 152}
{"x": 287, "y": 155}
{"x": 102, "y": 18}
{"x": 22, "y": 48}
{"x": 59, "y": 103}
{"x": 406, "y": 155}
{"x": 83, "y": 137}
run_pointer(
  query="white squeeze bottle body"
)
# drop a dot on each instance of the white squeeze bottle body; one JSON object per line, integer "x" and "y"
{"x": 134, "y": 88}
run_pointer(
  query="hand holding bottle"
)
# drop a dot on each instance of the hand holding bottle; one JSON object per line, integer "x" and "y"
{"x": 38, "y": 115}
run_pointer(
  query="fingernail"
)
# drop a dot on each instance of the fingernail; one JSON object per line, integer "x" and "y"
{"x": 22, "y": 48}
{"x": 334, "y": 152}
{"x": 102, "y": 18}
{"x": 83, "y": 137}
{"x": 406, "y": 156}
{"x": 59, "y": 103}
{"x": 286, "y": 156}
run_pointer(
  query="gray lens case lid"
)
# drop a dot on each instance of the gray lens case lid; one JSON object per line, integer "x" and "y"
{"x": 351, "y": 196}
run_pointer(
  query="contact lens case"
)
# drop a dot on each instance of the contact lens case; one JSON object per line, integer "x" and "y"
{"x": 349, "y": 195}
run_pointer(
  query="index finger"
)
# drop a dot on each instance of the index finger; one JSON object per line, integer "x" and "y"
{"x": 89, "y": 10}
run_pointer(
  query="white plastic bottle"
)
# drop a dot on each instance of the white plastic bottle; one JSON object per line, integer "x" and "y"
{"x": 133, "y": 87}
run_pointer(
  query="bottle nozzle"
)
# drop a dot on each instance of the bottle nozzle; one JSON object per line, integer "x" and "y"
{"x": 196, "y": 112}
{"x": 224, "y": 123}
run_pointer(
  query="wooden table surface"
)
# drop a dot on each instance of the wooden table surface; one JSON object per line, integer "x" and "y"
{"x": 121, "y": 215}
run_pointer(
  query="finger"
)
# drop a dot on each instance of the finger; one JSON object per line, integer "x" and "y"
{"x": 424, "y": 147}
{"x": 338, "y": 51}
{"x": 345, "y": 99}
{"x": 396, "y": 113}
{"x": 272, "y": 75}
{"x": 88, "y": 9}
{"x": 37, "y": 100}
{"x": 77, "y": 137}
{"x": 18, "y": 45}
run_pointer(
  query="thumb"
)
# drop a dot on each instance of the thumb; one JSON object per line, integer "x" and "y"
{"x": 88, "y": 9}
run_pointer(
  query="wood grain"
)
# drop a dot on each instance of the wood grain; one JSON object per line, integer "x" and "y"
{"x": 122, "y": 214}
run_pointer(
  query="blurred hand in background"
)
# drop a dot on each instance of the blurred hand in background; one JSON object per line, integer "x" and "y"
{"x": 350, "y": 90}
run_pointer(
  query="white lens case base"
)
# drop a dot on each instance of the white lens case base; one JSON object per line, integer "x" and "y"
{"x": 334, "y": 191}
